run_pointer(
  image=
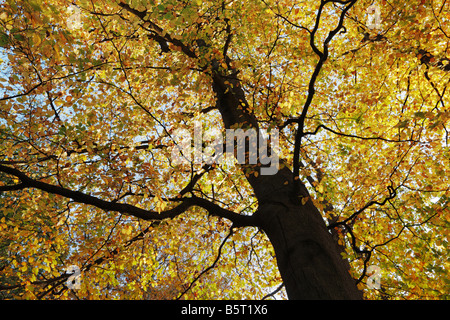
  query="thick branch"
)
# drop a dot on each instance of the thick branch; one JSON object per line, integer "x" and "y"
{"x": 159, "y": 34}
{"x": 212, "y": 208}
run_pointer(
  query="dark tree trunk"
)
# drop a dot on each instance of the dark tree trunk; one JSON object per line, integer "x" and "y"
{"x": 308, "y": 257}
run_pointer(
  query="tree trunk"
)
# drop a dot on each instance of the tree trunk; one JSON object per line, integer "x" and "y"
{"x": 308, "y": 257}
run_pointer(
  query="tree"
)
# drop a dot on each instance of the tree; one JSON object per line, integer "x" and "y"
{"x": 95, "y": 94}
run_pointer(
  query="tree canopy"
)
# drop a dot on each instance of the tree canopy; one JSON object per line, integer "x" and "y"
{"x": 92, "y": 92}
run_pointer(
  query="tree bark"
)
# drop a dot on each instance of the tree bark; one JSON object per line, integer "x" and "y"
{"x": 308, "y": 257}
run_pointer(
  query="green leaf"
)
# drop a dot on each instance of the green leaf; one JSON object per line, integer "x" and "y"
{"x": 4, "y": 39}
{"x": 402, "y": 124}
{"x": 420, "y": 115}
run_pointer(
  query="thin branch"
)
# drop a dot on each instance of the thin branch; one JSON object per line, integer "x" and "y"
{"x": 158, "y": 31}
{"x": 323, "y": 56}
{"x": 230, "y": 233}
{"x": 42, "y": 83}
{"x": 392, "y": 195}
{"x": 353, "y": 136}
{"x": 273, "y": 292}
{"x": 61, "y": 279}
{"x": 13, "y": 187}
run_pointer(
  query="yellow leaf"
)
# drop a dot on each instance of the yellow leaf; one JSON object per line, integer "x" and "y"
{"x": 305, "y": 200}
{"x": 127, "y": 230}
{"x": 320, "y": 188}
{"x": 160, "y": 204}
{"x": 36, "y": 39}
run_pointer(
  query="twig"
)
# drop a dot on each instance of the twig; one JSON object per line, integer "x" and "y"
{"x": 230, "y": 233}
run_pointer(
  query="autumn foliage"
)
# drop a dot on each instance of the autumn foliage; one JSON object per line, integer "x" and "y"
{"x": 92, "y": 91}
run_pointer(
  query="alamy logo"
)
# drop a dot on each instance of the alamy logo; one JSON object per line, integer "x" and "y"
{"x": 373, "y": 17}
{"x": 208, "y": 147}
{"x": 74, "y": 19}
{"x": 74, "y": 280}
{"x": 374, "y": 280}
